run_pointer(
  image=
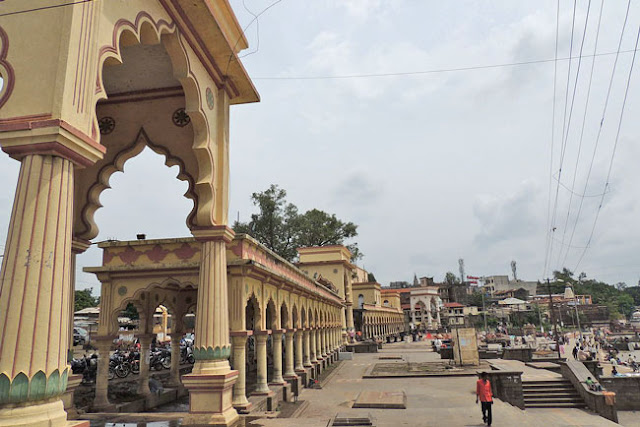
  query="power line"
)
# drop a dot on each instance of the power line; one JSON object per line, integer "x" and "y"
{"x": 613, "y": 154}
{"x": 436, "y": 71}
{"x": 566, "y": 135}
{"x": 584, "y": 121}
{"x": 46, "y": 7}
{"x": 255, "y": 18}
{"x": 563, "y": 141}
{"x": 549, "y": 233}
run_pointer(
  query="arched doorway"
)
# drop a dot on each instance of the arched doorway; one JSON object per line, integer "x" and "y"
{"x": 134, "y": 73}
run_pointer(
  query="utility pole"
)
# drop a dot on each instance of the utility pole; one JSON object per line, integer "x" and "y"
{"x": 484, "y": 312}
{"x": 553, "y": 318}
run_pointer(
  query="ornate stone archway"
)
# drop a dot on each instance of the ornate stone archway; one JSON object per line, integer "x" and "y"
{"x": 109, "y": 79}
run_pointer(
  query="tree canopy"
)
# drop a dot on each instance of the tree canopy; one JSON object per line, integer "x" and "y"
{"x": 84, "y": 299}
{"x": 280, "y": 227}
{"x": 621, "y": 300}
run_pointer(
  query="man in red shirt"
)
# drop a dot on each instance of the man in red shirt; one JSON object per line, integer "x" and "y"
{"x": 483, "y": 393}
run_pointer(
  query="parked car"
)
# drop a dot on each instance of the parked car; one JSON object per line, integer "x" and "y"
{"x": 80, "y": 336}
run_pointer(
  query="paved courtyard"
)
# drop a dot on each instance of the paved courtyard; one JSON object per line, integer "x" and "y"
{"x": 448, "y": 401}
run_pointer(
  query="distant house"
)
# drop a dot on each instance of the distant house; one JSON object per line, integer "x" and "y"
{"x": 456, "y": 314}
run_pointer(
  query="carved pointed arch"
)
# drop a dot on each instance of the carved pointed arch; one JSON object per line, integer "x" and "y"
{"x": 147, "y": 30}
{"x": 142, "y": 140}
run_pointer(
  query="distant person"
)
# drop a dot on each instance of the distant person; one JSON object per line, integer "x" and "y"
{"x": 484, "y": 395}
{"x": 614, "y": 371}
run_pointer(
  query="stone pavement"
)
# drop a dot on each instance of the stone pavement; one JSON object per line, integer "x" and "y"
{"x": 448, "y": 401}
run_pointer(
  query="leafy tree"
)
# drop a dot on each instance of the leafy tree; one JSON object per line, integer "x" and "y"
{"x": 476, "y": 299}
{"x": 131, "y": 312}
{"x": 371, "y": 277}
{"x": 451, "y": 279}
{"x": 276, "y": 223}
{"x": 634, "y": 292}
{"x": 84, "y": 299}
{"x": 280, "y": 227}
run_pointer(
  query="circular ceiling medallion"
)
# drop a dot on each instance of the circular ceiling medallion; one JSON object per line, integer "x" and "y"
{"x": 210, "y": 100}
{"x": 107, "y": 125}
{"x": 180, "y": 118}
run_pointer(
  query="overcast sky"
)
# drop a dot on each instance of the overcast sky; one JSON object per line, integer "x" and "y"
{"x": 432, "y": 167}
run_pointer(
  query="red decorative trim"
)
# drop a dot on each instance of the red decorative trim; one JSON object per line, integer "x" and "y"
{"x": 51, "y": 148}
{"x": 241, "y": 333}
{"x": 9, "y": 79}
{"x": 262, "y": 332}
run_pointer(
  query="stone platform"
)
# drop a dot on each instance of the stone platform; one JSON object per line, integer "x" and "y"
{"x": 381, "y": 400}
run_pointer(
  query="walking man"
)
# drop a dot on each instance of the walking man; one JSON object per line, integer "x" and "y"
{"x": 483, "y": 393}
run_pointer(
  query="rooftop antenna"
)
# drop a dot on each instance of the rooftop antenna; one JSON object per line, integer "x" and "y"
{"x": 461, "y": 266}
{"x": 513, "y": 268}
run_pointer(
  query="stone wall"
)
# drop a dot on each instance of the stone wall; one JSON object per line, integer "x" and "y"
{"x": 507, "y": 386}
{"x": 577, "y": 373}
{"x": 627, "y": 390}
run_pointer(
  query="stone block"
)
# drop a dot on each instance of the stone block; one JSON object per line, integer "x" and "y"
{"x": 381, "y": 400}
{"x": 345, "y": 355}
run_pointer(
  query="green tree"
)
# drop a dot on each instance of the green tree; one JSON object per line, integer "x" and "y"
{"x": 84, "y": 299}
{"x": 280, "y": 227}
{"x": 371, "y": 278}
{"x": 634, "y": 292}
{"x": 131, "y": 312}
{"x": 451, "y": 279}
{"x": 276, "y": 223}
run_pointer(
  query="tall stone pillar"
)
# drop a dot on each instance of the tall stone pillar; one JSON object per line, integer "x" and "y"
{"x": 430, "y": 319}
{"x": 319, "y": 355}
{"x": 261, "y": 353}
{"x": 240, "y": 401}
{"x": 350, "y": 324}
{"x": 176, "y": 335}
{"x": 325, "y": 341}
{"x": 438, "y": 319}
{"x": 312, "y": 345}
{"x": 35, "y": 290}
{"x": 299, "y": 360}
{"x": 211, "y": 381}
{"x": 277, "y": 357}
{"x": 289, "y": 369}
{"x": 145, "y": 356}
{"x": 307, "y": 349}
{"x": 101, "y": 400}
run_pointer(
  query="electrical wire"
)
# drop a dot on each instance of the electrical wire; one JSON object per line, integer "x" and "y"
{"x": 257, "y": 48}
{"x": 549, "y": 232}
{"x": 566, "y": 135}
{"x": 584, "y": 121}
{"x": 45, "y": 7}
{"x": 435, "y": 71}
{"x": 245, "y": 29}
{"x": 563, "y": 142}
{"x": 613, "y": 154}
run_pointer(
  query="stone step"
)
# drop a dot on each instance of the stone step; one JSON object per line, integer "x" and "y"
{"x": 551, "y": 395}
{"x": 554, "y": 405}
{"x": 545, "y": 386}
{"x": 552, "y": 400}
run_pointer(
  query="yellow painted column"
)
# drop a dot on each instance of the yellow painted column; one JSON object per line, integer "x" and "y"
{"x": 145, "y": 355}
{"x": 176, "y": 335}
{"x": 307, "y": 349}
{"x": 101, "y": 400}
{"x": 289, "y": 369}
{"x": 211, "y": 382}
{"x": 277, "y": 357}
{"x": 240, "y": 401}
{"x": 312, "y": 345}
{"x": 261, "y": 354}
{"x": 299, "y": 364}
{"x": 35, "y": 290}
